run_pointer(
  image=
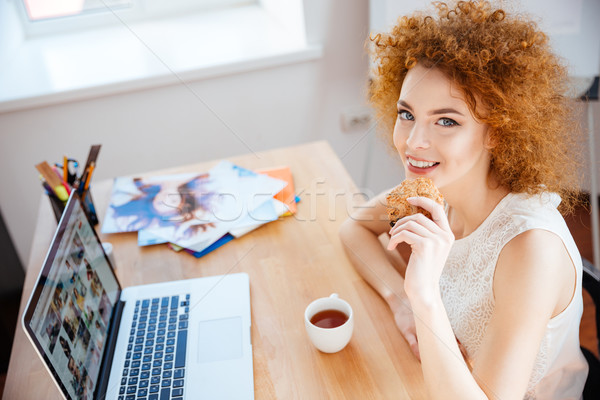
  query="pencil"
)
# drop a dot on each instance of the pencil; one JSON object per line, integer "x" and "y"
{"x": 65, "y": 169}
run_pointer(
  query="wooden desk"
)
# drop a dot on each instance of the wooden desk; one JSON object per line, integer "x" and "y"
{"x": 290, "y": 263}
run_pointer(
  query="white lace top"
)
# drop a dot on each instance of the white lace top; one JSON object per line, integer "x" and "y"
{"x": 466, "y": 284}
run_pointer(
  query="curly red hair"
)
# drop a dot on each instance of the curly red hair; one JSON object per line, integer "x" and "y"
{"x": 511, "y": 80}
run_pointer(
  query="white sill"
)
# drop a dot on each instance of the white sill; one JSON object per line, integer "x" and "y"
{"x": 122, "y": 58}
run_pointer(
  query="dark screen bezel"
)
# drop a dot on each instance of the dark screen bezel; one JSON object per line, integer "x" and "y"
{"x": 74, "y": 199}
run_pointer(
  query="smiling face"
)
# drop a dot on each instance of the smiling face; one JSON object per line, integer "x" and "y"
{"x": 436, "y": 134}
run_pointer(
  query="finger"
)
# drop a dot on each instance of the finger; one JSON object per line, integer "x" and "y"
{"x": 418, "y": 218}
{"x": 438, "y": 214}
{"x": 418, "y": 228}
{"x": 411, "y": 339}
{"x": 404, "y": 236}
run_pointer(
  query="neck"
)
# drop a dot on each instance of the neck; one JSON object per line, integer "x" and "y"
{"x": 470, "y": 206}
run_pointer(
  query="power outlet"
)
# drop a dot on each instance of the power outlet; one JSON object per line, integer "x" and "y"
{"x": 356, "y": 118}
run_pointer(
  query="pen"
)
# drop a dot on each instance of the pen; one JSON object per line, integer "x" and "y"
{"x": 86, "y": 181}
{"x": 89, "y": 176}
{"x": 64, "y": 183}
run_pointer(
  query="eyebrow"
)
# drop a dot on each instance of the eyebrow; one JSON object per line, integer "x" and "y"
{"x": 434, "y": 112}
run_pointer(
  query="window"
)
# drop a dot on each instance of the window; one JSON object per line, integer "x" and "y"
{"x": 43, "y": 17}
{"x": 42, "y": 9}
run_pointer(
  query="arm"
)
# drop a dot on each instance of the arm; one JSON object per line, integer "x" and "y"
{"x": 360, "y": 236}
{"x": 530, "y": 286}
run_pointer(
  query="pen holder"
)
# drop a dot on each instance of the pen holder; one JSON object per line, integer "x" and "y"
{"x": 88, "y": 207}
{"x": 57, "y": 206}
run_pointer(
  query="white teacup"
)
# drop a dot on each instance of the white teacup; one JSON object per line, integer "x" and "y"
{"x": 326, "y": 339}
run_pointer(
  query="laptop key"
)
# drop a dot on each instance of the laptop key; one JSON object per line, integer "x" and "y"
{"x": 145, "y": 375}
{"x": 181, "y": 347}
{"x": 155, "y": 380}
{"x": 144, "y": 383}
{"x": 177, "y": 392}
{"x": 179, "y": 373}
{"x": 154, "y": 388}
{"x": 165, "y": 383}
{"x": 178, "y": 383}
{"x": 153, "y": 397}
{"x": 165, "y": 393}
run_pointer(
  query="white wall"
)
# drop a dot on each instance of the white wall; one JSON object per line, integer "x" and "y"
{"x": 168, "y": 126}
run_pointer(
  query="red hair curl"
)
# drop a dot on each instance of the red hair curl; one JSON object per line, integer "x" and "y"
{"x": 511, "y": 81}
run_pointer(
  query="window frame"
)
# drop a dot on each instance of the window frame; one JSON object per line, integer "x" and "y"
{"x": 140, "y": 10}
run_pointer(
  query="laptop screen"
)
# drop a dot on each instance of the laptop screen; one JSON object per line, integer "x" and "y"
{"x": 69, "y": 314}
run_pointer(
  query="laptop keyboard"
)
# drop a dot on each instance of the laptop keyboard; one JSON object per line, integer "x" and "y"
{"x": 154, "y": 366}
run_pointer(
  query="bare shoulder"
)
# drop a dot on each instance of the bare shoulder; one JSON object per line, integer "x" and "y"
{"x": 372, "y": 215}
{"x": 535, "y": 265}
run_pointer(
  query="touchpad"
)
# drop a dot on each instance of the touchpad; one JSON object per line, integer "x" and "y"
{"x": 220, "y": 339}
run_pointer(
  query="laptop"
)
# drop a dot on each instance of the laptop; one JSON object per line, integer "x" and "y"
{"x": 174, "y": 340}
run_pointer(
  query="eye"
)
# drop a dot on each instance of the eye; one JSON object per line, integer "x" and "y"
{"x": 447, "y": 122}
{"x": 403, "y": 114}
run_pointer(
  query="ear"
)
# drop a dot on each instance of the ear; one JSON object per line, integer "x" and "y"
{"x": 489, "y": 140}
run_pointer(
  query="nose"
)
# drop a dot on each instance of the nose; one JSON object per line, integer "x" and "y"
{"x": 418, "y": 137}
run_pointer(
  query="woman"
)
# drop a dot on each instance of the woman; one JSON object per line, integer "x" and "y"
{"x": 478, "y": 104}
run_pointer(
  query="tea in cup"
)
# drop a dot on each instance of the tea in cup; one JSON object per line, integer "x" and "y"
{"x": 329, "y": 322}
